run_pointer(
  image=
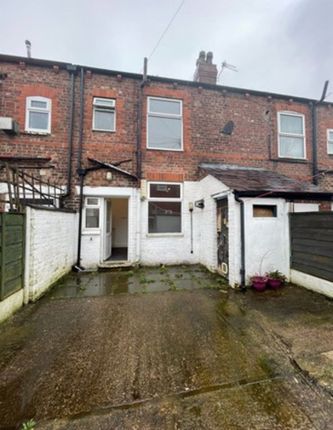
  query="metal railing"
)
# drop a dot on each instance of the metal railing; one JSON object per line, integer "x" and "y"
{"x": 25, "y": 188}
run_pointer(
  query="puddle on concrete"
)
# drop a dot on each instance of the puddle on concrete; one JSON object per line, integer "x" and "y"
{"x": 141, "y": 280}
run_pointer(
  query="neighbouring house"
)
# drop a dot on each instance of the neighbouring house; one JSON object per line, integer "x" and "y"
{"x": 166, "y": 171}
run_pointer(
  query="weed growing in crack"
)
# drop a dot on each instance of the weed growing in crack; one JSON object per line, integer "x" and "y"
{"x": 29, "y": 425}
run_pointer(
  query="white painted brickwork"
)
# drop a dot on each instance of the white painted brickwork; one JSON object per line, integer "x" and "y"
{"x": 265, "y": 239}
{"x": 51, "y": 243}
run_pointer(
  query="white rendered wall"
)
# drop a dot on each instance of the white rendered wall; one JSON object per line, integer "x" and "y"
{"x": 312, "y": 282}
{"x": 51, "y": 242}
{"x": 208, "y": 187}
{"x": 92, "y": 241}
{"x": 172, "y": 248}
{"x": 266, "y": 239}
{"x": 304, "y": 207}
{"x": 11, "y": 305}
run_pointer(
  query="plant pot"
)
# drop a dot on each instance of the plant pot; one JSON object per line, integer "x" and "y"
{"x": 259, "y": 283}
{"x": 274, "y": 283}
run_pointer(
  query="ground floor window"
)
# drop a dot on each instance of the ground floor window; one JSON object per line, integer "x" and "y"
{"x": 164, "y": 208}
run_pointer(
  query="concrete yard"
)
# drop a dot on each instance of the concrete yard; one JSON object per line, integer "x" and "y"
{"x": 167, "y": 348}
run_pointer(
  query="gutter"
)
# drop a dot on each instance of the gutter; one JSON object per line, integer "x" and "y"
{"x": 221, "y": 88}
{"x": 297, "y": 195}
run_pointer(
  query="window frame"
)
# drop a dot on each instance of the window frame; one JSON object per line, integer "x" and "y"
{"x": 102, "y": 108}
{"x": 329, "y": 130}
{"x": 29, "y": 108}
{"x": 281, "y": 133}
{"x": 92, "y": 206}
{"x": 164, "y": 115}
{"x": 166, "y": 199}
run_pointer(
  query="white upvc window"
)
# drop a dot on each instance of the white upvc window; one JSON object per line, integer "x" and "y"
{"x": 104, "y": 114}
{"x": 164, "y": 124}
{"x": 38, "y": 115}
{"x": 164, "y": 207}
{"x": 330, "y": 141}
{"x": 291, "y": 139}
{"x": 92, "y": 213}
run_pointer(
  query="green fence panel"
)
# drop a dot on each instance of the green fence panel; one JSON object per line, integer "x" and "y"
{"x": 12, "y": 235}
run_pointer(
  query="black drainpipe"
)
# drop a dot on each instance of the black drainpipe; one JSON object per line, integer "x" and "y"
{"x": 71, "y": 70}
{"x": 314, "y": 135}
{"x": 79, "y": 160}
{"x": 242, "y": 231}
{"x": 81, "y": 172}
{"x": 139, "y": 122}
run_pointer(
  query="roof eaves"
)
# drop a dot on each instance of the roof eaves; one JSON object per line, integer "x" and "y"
{"x": 301, "y": 195}
{"x": 137, "y": 76}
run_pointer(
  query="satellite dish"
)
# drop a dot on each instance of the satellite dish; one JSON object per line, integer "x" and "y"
{"x": 228, "y": 128}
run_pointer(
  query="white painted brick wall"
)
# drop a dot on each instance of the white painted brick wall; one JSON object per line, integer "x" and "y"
{"x": 50, "y": 248}
{"x": 172, "y": 248}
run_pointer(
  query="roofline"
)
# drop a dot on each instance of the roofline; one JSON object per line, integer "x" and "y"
{"x": 137, "y": 76}
{"x": 301, "y": 195}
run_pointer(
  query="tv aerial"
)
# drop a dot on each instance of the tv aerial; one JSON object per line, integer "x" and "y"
{"x": 224, "y": 66}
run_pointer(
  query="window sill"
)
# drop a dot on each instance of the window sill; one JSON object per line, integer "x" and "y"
{"x": 165, "y": 149}
{"x": 165, "y": 235}
{"x": 103, "y": 131}
{"x": 290, "y": 160}
{"x": 37, "y": 133}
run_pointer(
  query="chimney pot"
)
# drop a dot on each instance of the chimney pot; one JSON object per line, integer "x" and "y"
{"x": 209, "y": 58}
{"x": 206, "y": 71}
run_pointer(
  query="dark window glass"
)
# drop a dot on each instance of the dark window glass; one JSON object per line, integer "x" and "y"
{"x": 165, "y": 191}
{"x": 164, "y": 217}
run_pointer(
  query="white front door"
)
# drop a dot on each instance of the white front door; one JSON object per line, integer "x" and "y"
{"x": 107, "y": 229}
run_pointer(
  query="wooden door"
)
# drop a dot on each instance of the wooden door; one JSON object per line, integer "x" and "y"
{"x": 222, "y": 237}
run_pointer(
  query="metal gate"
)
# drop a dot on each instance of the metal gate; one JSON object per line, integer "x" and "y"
{"x": 12, "y": 232}
{"x": 222, "y": 237}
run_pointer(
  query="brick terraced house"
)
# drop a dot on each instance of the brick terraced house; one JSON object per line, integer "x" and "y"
{"x": 167, "y": 171}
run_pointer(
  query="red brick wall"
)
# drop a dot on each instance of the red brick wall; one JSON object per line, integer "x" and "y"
{"x": 20, "y": 83}
{"x": 205, "y": 112}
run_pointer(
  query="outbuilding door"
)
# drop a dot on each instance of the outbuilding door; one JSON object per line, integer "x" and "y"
{"x": 222, "y": 237}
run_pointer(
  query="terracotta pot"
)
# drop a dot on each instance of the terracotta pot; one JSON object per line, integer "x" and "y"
{"x": 259, "y": 283}
{"x": 274, "y": 283}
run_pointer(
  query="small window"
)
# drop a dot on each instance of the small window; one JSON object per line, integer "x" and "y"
{"x": 38, "y": 115}
{"x": 104, "y": 114}
{"x": 92, "y": 213}
{"x": 330, "y": 141}
{"x": 264, "y": 211}
{"x": 164, "y": 208}
{"x": 165, "y": 124}
{"x": 291, "y": 135}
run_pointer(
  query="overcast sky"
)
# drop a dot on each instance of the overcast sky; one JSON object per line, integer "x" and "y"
{"x": 282, "y": 46}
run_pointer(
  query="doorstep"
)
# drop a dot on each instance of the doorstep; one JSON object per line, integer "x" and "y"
{"x": 114, "y": 264}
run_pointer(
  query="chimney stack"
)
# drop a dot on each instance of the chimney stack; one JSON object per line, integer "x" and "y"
{"x": 206, "y": 71}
